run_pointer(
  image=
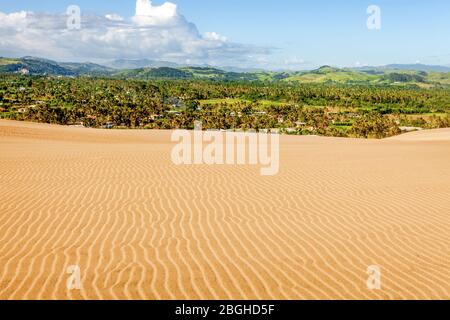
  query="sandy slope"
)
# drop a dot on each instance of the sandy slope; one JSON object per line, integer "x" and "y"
{"x": 139, "y": 227}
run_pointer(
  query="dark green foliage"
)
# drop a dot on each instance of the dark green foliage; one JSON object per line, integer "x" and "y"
{"x": 333, "y": 110}
{"x": 38, "y": 66}
{"x": 404, "y": 77}
{"x": 374, "y": 125}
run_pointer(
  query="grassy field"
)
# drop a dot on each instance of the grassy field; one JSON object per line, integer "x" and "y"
{"x": 5, "y": 61}
{"x": 332, "y": 76}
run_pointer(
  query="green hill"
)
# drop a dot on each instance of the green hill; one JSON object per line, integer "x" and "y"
{"x": 154, "y": 73}
{"x": 328, "y": 74}
{"x": 39, "y": 66}
{"x": 398, "y": 76}
{"x": 87, "y": 68}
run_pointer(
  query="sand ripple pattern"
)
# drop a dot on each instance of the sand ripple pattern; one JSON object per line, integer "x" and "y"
{"x": 139, "y": 227}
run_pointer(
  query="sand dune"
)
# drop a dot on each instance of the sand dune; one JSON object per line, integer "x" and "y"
{"x": 429, "y": 135}
{"x": 140, "y": 227}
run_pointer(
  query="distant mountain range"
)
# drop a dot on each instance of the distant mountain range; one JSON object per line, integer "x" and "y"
{"x": 122, "y": 64}
{"x": 394, "y": 74}
{"x": 141, "y": 63}
{"x": 146, "y": 63}
{"x": 409, "y": 67}
{"x": 419, "y": 67}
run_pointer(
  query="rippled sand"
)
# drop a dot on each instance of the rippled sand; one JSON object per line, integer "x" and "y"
{"x": 140, "y": 227}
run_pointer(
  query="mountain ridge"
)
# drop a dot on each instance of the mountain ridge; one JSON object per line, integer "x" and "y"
{"x": 393, "y": 74}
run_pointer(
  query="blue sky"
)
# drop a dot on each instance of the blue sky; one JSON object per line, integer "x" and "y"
{"x": 295, "y": 33}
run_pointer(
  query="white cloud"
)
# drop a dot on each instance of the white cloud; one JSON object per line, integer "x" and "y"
{"x": 14, "y": 20}
{"x": 147, "y": 14}
{"x": 114, "y": 17}
{"x": 154, "y": 32}
{"x": 215, "y": 37}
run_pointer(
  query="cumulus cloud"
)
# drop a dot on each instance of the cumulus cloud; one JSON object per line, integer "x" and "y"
{"x": 13, "y": 19}
{"x": 147, "y": 14}
{"x": 154, "y": 32}
{"x": 215, "y": 37}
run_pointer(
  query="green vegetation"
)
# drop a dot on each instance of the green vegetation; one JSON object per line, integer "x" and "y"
{"x": 38, "y": 66}
{"x": 324, "y": 109}
{"x": 156, "y": 73}
{"x": 5, "y": 61}
{"x": 395, "y": 75}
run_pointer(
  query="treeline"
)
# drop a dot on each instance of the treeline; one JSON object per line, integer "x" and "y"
{"x": 331, "y": 110}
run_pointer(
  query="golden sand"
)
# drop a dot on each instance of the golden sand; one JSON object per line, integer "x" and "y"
{"x": 140, "y": 227}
